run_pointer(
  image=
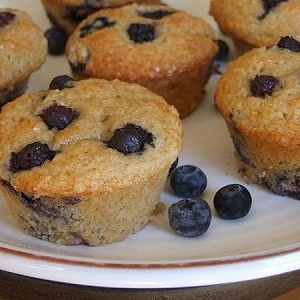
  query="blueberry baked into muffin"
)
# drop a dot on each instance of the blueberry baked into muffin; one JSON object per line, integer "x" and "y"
{"x": 166, "y": 50}
{"x": 67, "y": 14}
{"x": 257, "y": 23}
{"x": 259, "y": 98}
{"x": 85, "y": 162}
{"x": 23, "y": 50}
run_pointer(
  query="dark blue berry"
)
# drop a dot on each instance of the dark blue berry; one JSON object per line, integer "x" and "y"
{"x": 31, "y": 156}
{"x": 190, "y": 217}
{"x": 188, "y": 181}
{"x": 130, "y": 139}
{"x": 223, "y": 52}
{"x": 263, "y": 85}
{"x": 57, "y": 40}
{"x": 232, "y": 201}
{"x": 61, "y": 82}
{"x": 156, "y": 14}
{"x": 289, "y": 43}
{"x": 141, "y": 33}
{"x": 5, "y": 18}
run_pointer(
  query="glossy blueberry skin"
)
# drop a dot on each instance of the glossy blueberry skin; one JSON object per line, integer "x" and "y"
{"x": 57, "y": 40}
{"x": 188, "y": 181}
{"x": 190, "y": 217}
{"x": 232, "y": 201}
{"x": 223, "y": 53}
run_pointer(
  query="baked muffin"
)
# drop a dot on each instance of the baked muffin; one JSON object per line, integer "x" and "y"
{"x": 85, "y": 162}
{"x": 259, "y": 98}
{"x": 67, "y": 14}
{"x": 23, "y": 50}
{"x": 257, "y": 23}
{"x": 165, "y": 50}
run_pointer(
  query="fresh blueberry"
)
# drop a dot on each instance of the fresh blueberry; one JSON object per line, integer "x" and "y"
{"x": 31, "y": 156}
{"x": 263, "y": 85}
{"x": 141, "y": 33}
{"x": 57, "y": 40}
{"x": 290, "y": 43}
{"x": 190, "y": 217}
{"x": 58, "y": 116}
{"x": 232, "y": 201}
{"x": 130, "y": 139}
{"x": 188, "y": 181}
{"x": 223, "y": 52}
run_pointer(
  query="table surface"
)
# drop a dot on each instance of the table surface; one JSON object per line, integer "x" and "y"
{"x": 15, "y": 287}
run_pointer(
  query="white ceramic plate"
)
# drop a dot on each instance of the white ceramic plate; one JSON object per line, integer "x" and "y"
{"x": 266, "y": 242}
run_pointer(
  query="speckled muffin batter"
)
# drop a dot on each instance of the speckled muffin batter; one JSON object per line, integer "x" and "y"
{"x": 165, "y": 50}
{"x": 67, "y": 14}
{"x": 257, "y": 23}
{"x": 85, "y": 162}
{"x": 23, "y": 50}
{"x": 259, "y": 98}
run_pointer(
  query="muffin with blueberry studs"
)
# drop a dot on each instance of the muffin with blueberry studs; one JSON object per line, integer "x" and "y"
{"x": 259, "y": 98}
{"x": 67, "y": 14}
{"x": 256, "y": 23}
{"x": 166, "y": 50}
{"x": 85, "y": 162}
{"x": 23, "y": 50}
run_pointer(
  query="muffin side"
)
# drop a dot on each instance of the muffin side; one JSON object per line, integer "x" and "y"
{"x": 264, "y": 127}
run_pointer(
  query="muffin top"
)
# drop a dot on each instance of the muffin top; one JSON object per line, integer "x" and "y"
{"x": 259, "y": 93}
{"x": 86, "y": 137}
{"x": 23, "y": 47}
{"x": 257, "y": 22}
{"x": 138, "y": 42}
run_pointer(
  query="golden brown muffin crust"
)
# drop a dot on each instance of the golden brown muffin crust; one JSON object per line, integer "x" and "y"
{"x": 23, "y": 48}
{"x": 182, "y": 42}
{"x": 84, "y": 165}
{"x": 241, "y": 19}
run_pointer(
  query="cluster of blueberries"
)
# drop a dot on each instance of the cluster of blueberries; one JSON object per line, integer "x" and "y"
{"x": 191, "y": 216}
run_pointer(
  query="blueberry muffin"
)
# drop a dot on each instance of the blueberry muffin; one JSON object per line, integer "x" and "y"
{"x": 259, "y": 98}
{"x": 257, "y": 23}
{"x": 85, "y": 162}
{"x": 165, "y": 50}
{"x": 67, "y": 14}
{"x": 23, "y": 50}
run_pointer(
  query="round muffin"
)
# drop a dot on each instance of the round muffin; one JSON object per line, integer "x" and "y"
{"x": 67, "y": 14}
{"x": 85, "y": 162}
{"x": 23, "y": 50}
{"x": 257, "y": 23}
{"x": 259, "y": 98}
{"x": 165, "y": 50}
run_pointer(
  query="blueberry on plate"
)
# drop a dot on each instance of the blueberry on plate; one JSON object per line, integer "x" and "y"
{"x": 188, "y": 181}
{"x": 223, "y": 53}
{"x": 190, "y": 217}
{"x": 232, "y": 201}
{"x": 57, "y": 40}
